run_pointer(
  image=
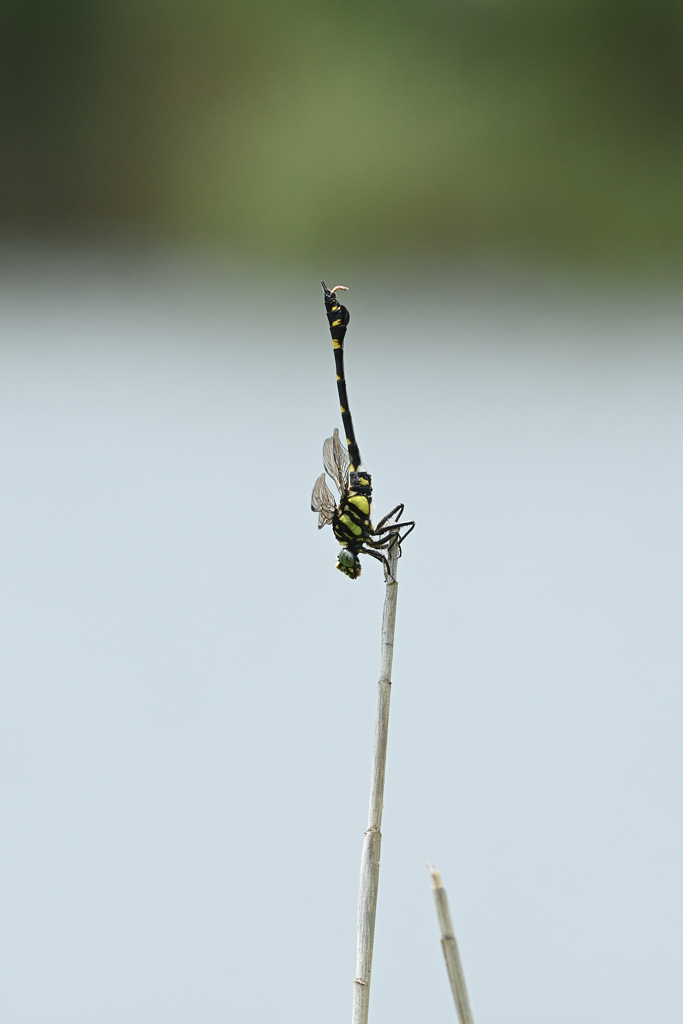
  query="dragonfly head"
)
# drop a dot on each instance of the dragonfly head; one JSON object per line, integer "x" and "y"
{"x": 349, "y": 564}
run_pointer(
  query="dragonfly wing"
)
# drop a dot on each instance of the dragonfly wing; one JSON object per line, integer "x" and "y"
{"x": 331, "y": 467}
{"x": 341, "y": 457}
{"x": 336, "y": 461}
{"x": 318, "y": 494}
{"x": 322, "y": 502}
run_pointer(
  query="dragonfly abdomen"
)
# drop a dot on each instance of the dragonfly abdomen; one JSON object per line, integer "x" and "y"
{"x": 338, "y": 318}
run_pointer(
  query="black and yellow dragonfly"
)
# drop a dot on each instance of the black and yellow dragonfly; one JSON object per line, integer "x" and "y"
{"x": 351, "y": 516}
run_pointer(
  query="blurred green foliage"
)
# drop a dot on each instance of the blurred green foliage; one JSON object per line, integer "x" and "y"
{"x": 524, "y": 126}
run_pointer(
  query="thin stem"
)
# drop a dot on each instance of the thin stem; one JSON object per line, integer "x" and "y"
{"x": 369, "y": 865}
{"x": 450, "y": 949}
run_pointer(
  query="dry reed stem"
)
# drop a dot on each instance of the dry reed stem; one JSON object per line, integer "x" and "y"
{"x": 369, "y": 866}
{"x": 450, "y": 949}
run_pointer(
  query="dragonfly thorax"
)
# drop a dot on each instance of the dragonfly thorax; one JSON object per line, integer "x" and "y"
{"x": 351, "y": 521}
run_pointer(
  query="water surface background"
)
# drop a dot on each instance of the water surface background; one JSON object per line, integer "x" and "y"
{"x": 188, "y": 685}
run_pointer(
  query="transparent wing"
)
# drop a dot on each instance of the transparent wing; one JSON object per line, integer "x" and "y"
{"x": 336, "y": 461}
{"x": 322, "y": 502}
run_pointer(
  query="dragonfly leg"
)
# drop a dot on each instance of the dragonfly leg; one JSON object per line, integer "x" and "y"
{"x": 385, "y": 543}
{"x": 411, "y": 527}
{"x": 395, "y": 528}
{"x": 380, "y": 558}
{"x": 393, "y": 537}
{"x": 399, "y": 509}
{"x": 382, "y": 543}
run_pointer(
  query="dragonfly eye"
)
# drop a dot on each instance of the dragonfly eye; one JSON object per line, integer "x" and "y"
{"x": 347, "y": 558}
{"x": 349, "y": 564}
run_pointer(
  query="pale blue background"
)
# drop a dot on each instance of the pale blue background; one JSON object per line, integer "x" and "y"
{"x": 188, "y": 685}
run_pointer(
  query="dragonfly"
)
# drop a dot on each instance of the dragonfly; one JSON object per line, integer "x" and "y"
{"x": 350, "y": 516}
